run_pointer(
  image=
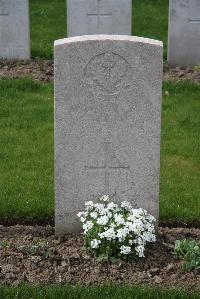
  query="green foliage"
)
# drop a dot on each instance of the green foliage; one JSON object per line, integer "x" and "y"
{"x": 37, "y": 248}
{"x": 189, "y": 251}
{"x": 197, "y": 68}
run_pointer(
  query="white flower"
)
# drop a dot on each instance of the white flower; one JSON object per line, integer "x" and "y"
{"x": 130, "y": 242}
{"x": 82, "y": 216}
{"x": 112, "y": 206}
{"x": 103, "y": 220}
{"x": 126, "y": 205}
{"x": 94, "y": 215}
{"x": 119, "y": 219}
{"x": 104, "y": 198}
{"x": 151, "y": 218}
{"x": 140, "y": 250}
{"x": 95, "y": 243}
{"x": 131, "y": 226}
{"x": 115, "y": 224}
{"x": 108, "y": 214}
{"x": 82, "y": 219}
{"x": 125, "y": 249}
{"x": 136, "y": 226}
{"x": 100, "y": 208}
{"x": 147, "y": 236}
{"x": 89, "y": 205}
{"x": 122, "y": 233}
{"x": 109, "y": 234}
{"x": 139, "y": 241}
{"x": 87, "y": 226}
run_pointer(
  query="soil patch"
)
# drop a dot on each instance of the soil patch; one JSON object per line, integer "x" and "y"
{"x": 33, "y": 254}
{"x": 42, "y": 70}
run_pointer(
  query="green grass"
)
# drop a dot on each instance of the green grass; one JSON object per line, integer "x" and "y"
{"x": 180, "y": 159}
{"x": 26, "y": 156}
{"x": 150, "y": 19}
{"x": 107, "y": 292}
{"x": 48, "y": 23}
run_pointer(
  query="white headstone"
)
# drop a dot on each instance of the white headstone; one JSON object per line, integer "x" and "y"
{"x": 184, "y": 32}
{"x": 14, "y": 29}
{"x": 107, "y": 123}
{"x": 99, "y": 17}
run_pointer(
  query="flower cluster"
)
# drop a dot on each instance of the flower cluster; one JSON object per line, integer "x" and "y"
{"x": 116, "y": 231}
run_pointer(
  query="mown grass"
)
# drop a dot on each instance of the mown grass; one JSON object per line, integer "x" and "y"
{"x": 48, "y": 23}
{"x": 150, "y": 19}
{"x": 113, "y": 291}
{"x": 26, "y": 151}
{"x": 180, "y": 159}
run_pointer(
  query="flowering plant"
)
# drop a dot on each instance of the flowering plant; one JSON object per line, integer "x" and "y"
{"x": 112, "y": 231}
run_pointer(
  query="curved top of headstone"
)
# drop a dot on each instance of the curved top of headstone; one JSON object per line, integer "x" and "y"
{"x": 102, "y": 37}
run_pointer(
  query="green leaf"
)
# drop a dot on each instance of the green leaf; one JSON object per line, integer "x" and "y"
{"x": 114, "y": 260}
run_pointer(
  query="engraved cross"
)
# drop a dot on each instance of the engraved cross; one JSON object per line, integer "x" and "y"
{"x": 98, "y": 13}
{"x": 106, "y": 167}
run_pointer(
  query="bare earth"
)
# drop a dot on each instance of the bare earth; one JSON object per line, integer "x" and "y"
{"x": 42, "y": 70}
{"x": 33, "y": 254}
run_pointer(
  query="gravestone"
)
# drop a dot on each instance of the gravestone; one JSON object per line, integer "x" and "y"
{"x": 14, "y": 29}
{"x": 99, "y": 17}
{"x": 107, "y": 123}
{"x": 184, "y": 32}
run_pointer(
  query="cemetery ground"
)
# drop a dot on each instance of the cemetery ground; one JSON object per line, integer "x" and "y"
{"x": 29, "y": 252}
{"x": 48, "y": 17}
{"x": 32, "y": 254}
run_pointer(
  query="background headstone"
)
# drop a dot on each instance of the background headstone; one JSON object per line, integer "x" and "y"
{"x": 14, "y": 29}
{"x": 99, "y": 17}
{"x": 107, "y": 123}
{"x": 184, "y": 32}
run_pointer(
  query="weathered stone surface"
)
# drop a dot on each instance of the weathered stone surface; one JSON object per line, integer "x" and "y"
{"x": 107, "y": 123}
{"x": 184, "y": 32}
{"x": 14, "y": 29}
{"x": 99, "y": 17}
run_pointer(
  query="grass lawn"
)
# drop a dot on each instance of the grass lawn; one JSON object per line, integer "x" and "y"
{"x": 48, "y": 23}
{"x": 26, "y": 156}
{"x": 106, "y": 292}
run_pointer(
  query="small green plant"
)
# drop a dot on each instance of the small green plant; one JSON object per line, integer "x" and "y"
{"x": 197, "y": 68}
{"x": 36, "y": 248}
{"x": 189, "y": 251}
{"x": 4, "y": 246}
